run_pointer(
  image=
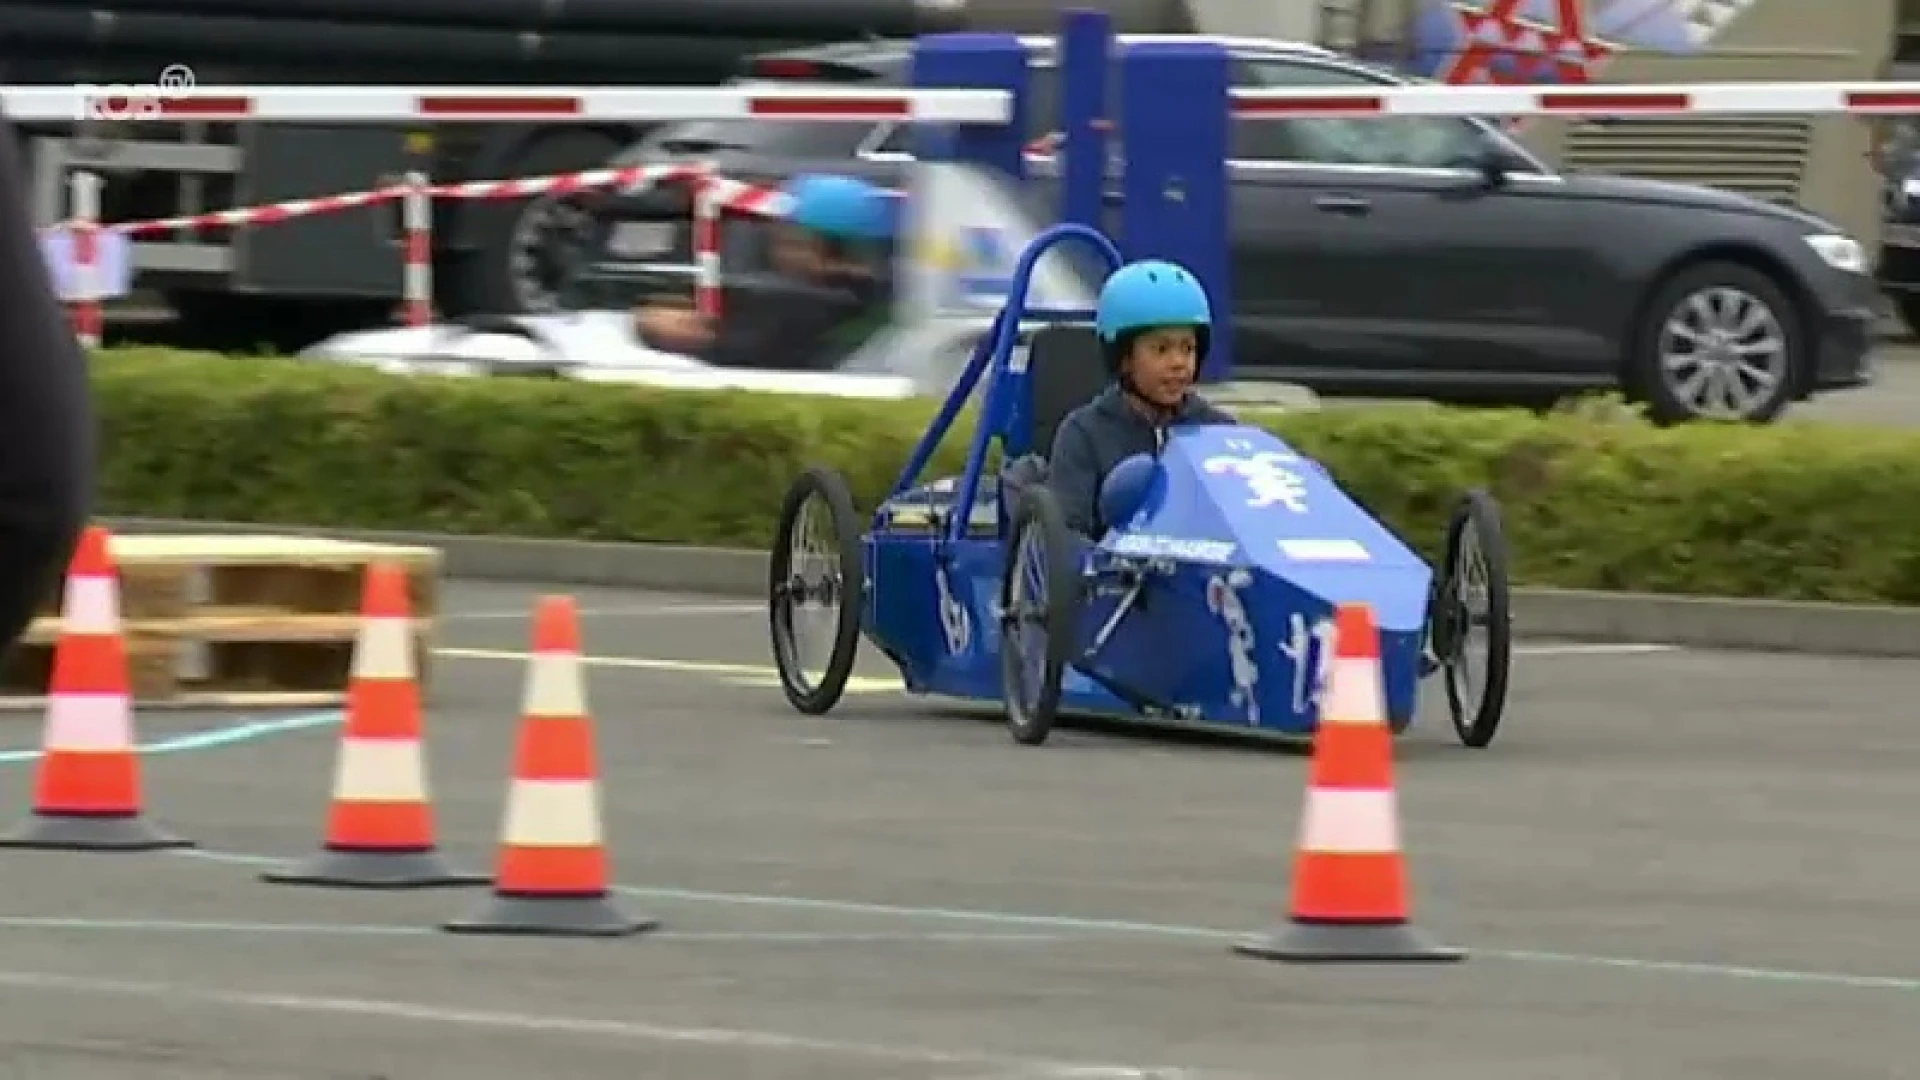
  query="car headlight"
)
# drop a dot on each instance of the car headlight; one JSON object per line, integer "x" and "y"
{"x": 1843, "y": 253}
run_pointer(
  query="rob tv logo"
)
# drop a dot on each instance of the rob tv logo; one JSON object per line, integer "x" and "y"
{"x": 117, "y": 101}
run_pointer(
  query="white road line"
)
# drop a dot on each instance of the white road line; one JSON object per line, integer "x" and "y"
{"x": 1597, "y": 648}
{"x": 377, "y": 1009}
{"x": 642, "y": 611}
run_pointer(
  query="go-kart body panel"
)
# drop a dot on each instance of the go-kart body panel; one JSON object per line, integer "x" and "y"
{"x": 1213, "y": 607}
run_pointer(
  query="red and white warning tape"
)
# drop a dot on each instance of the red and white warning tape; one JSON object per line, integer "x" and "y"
{"x": 715, "y": 197}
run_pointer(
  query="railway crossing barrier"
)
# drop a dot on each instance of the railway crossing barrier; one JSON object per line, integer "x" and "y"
{"x": 968, "y": 103}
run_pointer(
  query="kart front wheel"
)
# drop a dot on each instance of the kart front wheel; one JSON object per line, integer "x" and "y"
{"x": 1473, "y": 620}
{"x": 1038, "y": 591}
{"x": 815, "y": 585}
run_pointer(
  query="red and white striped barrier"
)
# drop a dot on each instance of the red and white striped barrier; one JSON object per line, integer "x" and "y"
{"x": 480, "y": 105}
{"x": 89, "y": 321}
{"x": 714, "y": 197}
{"x": 388, "y": 104}
{"x": 1699, "y": 99}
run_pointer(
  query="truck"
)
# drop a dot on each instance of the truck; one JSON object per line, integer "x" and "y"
{"x": 344, "y": 266}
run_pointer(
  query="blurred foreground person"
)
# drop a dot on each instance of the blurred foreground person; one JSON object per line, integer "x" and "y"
{"x": 824, "y": 254}
{"x": 46, "y": 413}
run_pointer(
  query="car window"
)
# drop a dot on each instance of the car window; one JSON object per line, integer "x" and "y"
{"x": 1432, "y": 142}
{"x": 783, "y": 138}
{"x": 1043, "y": 113}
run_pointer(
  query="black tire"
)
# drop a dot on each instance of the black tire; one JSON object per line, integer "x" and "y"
{"x": 1648, "y": 381}
{"x": 491, "y": 279}
{"x": 1479, "y": 515}
{"x": 848, "y": 586}
{"x": 1030, "y": 709}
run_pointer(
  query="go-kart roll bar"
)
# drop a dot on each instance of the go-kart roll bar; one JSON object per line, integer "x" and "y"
{"x": 995, "y": 352}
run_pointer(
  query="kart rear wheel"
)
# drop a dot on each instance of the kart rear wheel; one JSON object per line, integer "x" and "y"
{"x": 815, "y": 584}
{"x": 1038, "y": 593}
{"x": 1473, "y": 620}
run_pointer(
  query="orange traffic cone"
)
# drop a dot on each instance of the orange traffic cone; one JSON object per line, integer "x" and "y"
{"x": 1350, "y": 876}
{"x": 380, "y": 830}
{"x": 87, "y": 791}
{"x": 553, "y": 876}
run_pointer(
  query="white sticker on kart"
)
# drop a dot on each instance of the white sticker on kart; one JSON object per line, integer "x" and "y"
{"x": 1310, "y": 648}
{"x": 955, "y": 625}
{"x": 1223, "y": 599}
{"x": 1272, "y": 478}
{"x": 1143, "y": 546}
{"x": 1325, "y": 551}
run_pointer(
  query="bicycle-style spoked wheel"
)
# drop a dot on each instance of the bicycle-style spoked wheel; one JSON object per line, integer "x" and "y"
{"x": 816, "y": 584}
{"x": 1474, "y": 620}
{"x": 1038, "y": 593}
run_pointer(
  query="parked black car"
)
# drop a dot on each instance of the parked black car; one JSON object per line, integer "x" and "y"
{"x": 1410, "y": 255}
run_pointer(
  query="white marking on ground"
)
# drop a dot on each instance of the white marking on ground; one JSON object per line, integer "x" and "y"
{"x": 749, "y": 1039}
{"x": 649, "y": 611}
{"x": 1598, "y": 648}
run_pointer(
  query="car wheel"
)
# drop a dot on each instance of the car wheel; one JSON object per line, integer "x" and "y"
{"x": 1720, "y": 341}
{"x": 815, "y": 589}
{"x": 524, "y": 249}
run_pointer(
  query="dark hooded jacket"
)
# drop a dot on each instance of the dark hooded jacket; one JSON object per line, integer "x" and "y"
{"x": 46, "y": 472}
{"x": 1099, "y": 435}
{"x": 793, "y": 324}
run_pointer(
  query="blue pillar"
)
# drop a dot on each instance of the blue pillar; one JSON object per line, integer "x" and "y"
{"x": 974, "y": 62}
{"x": 1086, "y": 51}
{"x": 1174, "y": 120}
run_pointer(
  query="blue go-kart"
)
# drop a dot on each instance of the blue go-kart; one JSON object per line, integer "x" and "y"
{"x": 1212, "y": 607}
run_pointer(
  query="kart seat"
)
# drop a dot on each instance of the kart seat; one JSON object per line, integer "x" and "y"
{"x": 1065, "y": 370}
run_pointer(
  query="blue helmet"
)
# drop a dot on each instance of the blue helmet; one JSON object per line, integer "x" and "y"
{"x": 1150, "y": 295}
{"x": 841, "y": 207}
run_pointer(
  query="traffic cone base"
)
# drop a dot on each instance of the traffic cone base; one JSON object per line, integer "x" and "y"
{"x": 1349, "y": 943}
{"x": 346, "y": 869}
{"x": 1350, "y": 903}
{"x": 552, "y": 916}
{"x": 77, "y": 832}
{"x": 552, "y": 879}
{"x": 380, "y": 829}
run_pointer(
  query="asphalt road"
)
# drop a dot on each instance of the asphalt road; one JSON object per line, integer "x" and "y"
{"x": 1674, "y": 864}
{"x": 1893, "y": 399}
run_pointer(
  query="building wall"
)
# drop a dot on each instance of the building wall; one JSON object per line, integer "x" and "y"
{"x": 1293, "y": 20}
{"x": 1290, "y": 20}
{"x": 1782, "y": 40}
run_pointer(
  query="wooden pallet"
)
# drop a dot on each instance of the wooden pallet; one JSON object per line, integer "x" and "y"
{"x": 236, "y": 621}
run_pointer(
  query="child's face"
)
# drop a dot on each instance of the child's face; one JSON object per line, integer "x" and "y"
{"x": 1164, "y": 364}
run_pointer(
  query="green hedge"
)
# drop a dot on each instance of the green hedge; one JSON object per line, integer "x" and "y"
{"x": 1592, "y": 501}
